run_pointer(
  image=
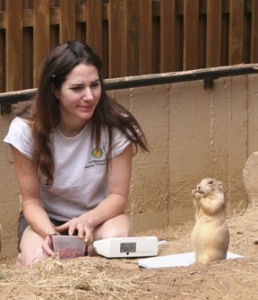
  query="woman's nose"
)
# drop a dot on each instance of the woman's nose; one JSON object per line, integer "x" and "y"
{"x": 87, "y": 94}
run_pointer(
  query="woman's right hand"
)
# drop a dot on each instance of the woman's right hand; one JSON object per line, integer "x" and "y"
{"x": 48, "y": 246}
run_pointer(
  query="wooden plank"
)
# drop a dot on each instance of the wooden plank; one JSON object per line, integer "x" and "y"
{"x": 236, "y": 32}
{"x": 214, "y": 26}
{"x": 168, "y": 36}
{"x": 27, "y": 48}
{"x": 2, "y": 61}
{"x": 2, "y": 4}
{"x": 156, "y": 43}
{"x": 67, "y": 13}
{"x": 27, "y": 4}
{"x": 41, "y": 32}
{"x": 224, "y": 37}
{"x": 202, "y": 34}
{"x": 54, "y": 24}
{"x": 27, "y": 76}
{"x": 54, "y": 3}
{"x": 145, "y": 37}
{"x": 131, "y": 37}
{"x": 254, "y": 32}
{"x": 14, "y": 48}
{"x": 94, "y": 25}
{"x": 191, "y": 28}
{"x": 116, "y": 38}
{"x": 2, "y": 53}
{"x": 202, "y": 41}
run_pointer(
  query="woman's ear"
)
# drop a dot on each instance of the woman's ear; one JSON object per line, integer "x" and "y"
{"x": 55, "y": 91}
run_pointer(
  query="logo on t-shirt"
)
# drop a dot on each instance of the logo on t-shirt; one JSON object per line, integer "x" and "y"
{"x": 97, "y": 152}
{"x": 98, "y": 158}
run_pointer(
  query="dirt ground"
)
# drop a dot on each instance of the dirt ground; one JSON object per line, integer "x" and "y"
{"x": 101, "y": 278}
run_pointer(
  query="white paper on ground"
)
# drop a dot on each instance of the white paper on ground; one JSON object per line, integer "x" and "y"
{"x": 174, "y": 260}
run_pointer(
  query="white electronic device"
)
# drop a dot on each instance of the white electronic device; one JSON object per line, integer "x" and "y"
{"x": 127, "y": 247}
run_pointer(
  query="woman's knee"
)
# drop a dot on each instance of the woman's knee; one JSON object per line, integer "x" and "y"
{"x": 30, "y": 248}
{"x": 28, "y": 257}
{"x": 119, "y": 226}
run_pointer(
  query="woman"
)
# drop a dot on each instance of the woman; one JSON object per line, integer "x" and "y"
{"x": 73, "y": 154}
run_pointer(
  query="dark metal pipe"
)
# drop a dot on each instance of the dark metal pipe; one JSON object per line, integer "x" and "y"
{"x": 207, "y": 75}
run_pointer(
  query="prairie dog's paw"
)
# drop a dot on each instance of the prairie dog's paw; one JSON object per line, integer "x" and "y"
{"x": 196, "y": 195}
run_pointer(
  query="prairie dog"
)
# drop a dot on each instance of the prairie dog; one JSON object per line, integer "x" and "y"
{"x": 210, "y": 235}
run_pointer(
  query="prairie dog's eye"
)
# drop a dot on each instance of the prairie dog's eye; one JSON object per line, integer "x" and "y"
{"x": 211, "y": 182}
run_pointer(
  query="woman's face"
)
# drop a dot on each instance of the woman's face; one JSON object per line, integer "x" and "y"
{"x": 79, "y": 95}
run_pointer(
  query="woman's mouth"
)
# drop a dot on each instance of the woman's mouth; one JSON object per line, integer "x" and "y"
{"x": 85, "y": 108}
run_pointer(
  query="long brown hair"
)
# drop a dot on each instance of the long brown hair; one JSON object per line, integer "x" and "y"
{"x": 45, "y": 114}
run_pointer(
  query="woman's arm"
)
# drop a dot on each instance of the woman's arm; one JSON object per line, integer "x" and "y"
{"x": 28, "y": 183}
{"x": 119, "y": 176}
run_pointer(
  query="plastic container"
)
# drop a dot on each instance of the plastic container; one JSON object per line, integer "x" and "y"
{"x": 66, "y": 246}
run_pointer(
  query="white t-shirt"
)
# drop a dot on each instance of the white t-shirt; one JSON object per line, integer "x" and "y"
{"x": 80, "y": 176}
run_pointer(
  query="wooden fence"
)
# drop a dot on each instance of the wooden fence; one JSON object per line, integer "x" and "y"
{"x": 132, "y": 36}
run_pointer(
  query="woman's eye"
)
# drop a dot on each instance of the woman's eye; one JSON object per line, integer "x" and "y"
{"x": 76, "y": 88}
{"x": 94, "y": 85}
